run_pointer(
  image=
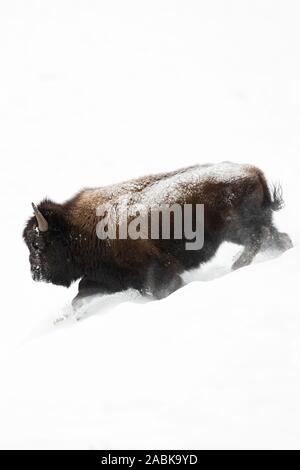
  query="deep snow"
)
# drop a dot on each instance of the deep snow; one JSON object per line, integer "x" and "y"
{"x": 96, "y": 92}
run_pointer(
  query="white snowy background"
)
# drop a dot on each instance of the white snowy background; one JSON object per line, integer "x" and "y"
{"x": 94, "y": 92}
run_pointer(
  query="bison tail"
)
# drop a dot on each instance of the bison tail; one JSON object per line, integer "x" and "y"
{"x": 276, "y": 199}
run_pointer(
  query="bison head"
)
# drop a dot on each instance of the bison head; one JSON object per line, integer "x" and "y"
{"x": 47, "y": 236}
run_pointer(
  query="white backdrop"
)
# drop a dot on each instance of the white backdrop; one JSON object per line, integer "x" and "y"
{"x": 93, "y": 92}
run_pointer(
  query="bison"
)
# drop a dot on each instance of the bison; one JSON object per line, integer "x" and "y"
{"x": 238, "y": 207}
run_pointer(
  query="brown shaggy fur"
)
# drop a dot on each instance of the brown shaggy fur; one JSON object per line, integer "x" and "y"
{"x": 238, "y": 208}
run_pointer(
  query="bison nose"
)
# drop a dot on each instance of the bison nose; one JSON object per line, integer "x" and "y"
{"x": 36, "y": 272}
{"x": 33, "y": 258}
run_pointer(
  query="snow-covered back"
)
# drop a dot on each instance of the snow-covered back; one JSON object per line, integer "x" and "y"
{"x": 170, "y": 190}
{"x": 99, "y": 92}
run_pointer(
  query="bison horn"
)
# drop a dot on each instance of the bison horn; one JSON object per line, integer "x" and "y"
{"x": 42, "y": 222}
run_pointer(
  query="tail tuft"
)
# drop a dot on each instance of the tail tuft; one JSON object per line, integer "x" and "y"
{"x": 277, "y": 202}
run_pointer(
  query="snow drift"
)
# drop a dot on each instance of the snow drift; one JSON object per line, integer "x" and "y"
{"x": 214, "y": 365}
{"x": 96, "y": 93}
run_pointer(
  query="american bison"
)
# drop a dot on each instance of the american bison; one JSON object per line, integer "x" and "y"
{"x": 238, "y": 207}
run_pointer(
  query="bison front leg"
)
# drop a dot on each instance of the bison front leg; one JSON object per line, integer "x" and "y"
{"x": 108, "y": 280}
{"x": 86, "y": 289}
{"x": 161, "y": 279}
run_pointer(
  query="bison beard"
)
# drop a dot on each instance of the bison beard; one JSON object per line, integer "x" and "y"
{"x": 238, "y": 207}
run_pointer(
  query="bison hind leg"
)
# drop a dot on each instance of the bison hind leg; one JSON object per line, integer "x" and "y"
{"x": 264, "y": 238}
{"x": 275, "y": 240}
{"x": 252, "y": 247}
